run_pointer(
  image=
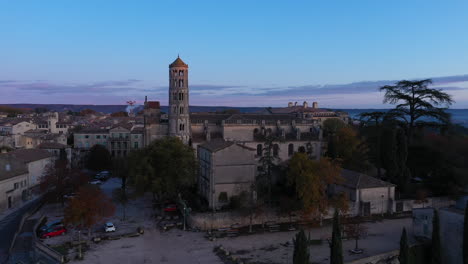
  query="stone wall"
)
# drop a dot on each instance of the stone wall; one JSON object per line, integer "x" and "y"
{"x": 384, "y": 258}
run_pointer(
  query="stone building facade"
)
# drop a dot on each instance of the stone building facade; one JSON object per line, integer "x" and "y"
{"x": 297, "y": 128}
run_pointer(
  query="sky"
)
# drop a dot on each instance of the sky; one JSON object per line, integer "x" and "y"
{"x": 240, "y": 53}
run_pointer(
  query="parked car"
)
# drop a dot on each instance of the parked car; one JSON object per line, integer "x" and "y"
{"x": 103, "y": 175}
{"x": 51, "y": 225}
{"x": 69, "y": 196}
{"x": 109, "y": 227}
{"x": 54, "y": 231}
{"x": 170, "y": 208}
{"x": 95, "y": 182}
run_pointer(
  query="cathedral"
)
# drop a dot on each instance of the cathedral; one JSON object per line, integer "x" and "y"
{"x": 229, "y": 145}
{"x": 299, "y": 126}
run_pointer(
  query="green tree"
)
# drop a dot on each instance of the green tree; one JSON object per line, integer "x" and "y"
{"x": 374, "y": 120}
{"x": 268, "y": 162}
{"x": 166, "y": 168}
{"x": 310, "y": 180}
{"x": 465, "y": 236}
{"x": 301, "y": 249}
{"x": 332, "y": 125}
{"x": 346, "y": 147}
{"x": 336, "y": 249}
{"x": 394, "y": 156}
{"x": 436, "y": 256}
{"x": 404, "y": 256}
{"x": 416, "y": 102}
{"x": 99, "y": 158}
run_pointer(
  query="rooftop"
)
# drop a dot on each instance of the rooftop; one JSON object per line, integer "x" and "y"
{"x": 27, "y": 155}
{"x": 356, "y": 180}
{"x": 178, "y": 63}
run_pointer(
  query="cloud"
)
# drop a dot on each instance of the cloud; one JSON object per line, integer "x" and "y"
{"x": 114, "y": 91}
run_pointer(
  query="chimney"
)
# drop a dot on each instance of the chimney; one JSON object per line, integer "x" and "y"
{"x": 290, "y": 104}
{"x": 305, "y": 105}
{"x": 315, "y": 105}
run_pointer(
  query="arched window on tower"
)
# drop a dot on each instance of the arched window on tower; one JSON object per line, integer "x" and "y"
{"x": 181, "y": 127}
{"x": 174, "y": 110}
{"x": 181, "y": 96}
{"x": 175, "y": 82}
{"x": 290, "y": 149}
{"x": 259, "y": 150}
{"x": 181, "y": 83}
{"x": 181, "y": 73}
{"x": 181, "y": 110}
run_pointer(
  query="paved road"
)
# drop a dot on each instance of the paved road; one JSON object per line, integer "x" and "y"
{"x": 9, "y": 225}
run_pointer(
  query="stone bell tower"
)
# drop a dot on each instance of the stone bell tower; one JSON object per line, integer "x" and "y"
{"x": 179, "y": 115}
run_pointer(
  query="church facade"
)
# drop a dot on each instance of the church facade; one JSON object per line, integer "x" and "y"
{"x": 297, "y": 128}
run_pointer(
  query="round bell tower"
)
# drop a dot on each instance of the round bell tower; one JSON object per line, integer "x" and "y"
{"x": 179, "y": 114}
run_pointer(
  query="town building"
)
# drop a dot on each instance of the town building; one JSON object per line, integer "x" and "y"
{"x": 226, "y": 170}
{"x": 368, "y": 195}
{"x": 13, "y": 183}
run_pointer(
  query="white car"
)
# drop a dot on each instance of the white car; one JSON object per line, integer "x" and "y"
{"x": 109, "y": 227}
{"x": 95, "y": 182}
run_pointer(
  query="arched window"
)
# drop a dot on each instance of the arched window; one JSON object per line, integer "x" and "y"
{"x": 181, "y": 96}
{"x": 181, "y": 83}
{"x": 181, "y": 110}
{"x": 301, "y": 149}
{"x": 175, "y": 82}
{"x": 275, "y": 150}
{"x": 309, "y": 148}
{"x": 290, "y": 149}
{"x": 181, "y": 73}
{"x": 181, "y": 127}
{"x": 259, "y": 150}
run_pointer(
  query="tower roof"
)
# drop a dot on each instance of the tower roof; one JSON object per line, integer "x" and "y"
{"x": 178, "y": 63}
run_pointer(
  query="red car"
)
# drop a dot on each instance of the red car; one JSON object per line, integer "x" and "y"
{"x": 54, "y": 231}
{"x": 170, "y": 208}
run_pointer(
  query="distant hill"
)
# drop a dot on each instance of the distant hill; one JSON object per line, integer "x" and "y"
{"x": 459, "y": 116}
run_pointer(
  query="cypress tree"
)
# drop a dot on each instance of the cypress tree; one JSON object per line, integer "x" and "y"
{"x": 404, "y": 249}
{"x": 465, "y": 236}
{"x": 436, "y": 254}
{"x": 336, "y": 250}
{"x": 301, "y": 250}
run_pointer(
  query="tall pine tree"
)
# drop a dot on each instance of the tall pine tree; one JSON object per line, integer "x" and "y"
{"x": 404, "y": 249}
{"x": 301, "y": 250}
{"x": 436, "y": 254}
{"x": 465, "y": 236}
{"x": 336, "y": 250}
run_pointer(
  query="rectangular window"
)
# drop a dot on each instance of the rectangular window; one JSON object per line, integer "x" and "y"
{"x": 98, "y": 136}
{"x": 136, "y": 136}
{"x": 135, "y": 145}
{"x": 16, "y": 185}
{"x": 86, "y": 136}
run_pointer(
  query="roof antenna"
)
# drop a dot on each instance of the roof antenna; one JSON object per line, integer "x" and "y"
{"x": 177, "y": 55}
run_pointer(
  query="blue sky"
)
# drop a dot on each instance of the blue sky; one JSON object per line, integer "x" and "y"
{"x": 240, "y": 53}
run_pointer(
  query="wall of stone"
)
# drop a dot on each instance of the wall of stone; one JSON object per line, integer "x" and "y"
{"x": 451, "y": 235}
{"x": 384, "y": 258}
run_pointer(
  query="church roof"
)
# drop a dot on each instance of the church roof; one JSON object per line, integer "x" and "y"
{"x": 358, "y": 180}
{"x": 178, "y": 63}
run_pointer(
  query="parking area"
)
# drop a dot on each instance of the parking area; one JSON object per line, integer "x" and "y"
{"x": 177, "y": 246}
